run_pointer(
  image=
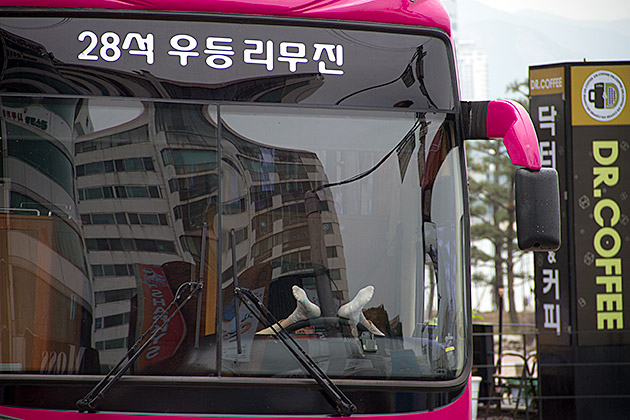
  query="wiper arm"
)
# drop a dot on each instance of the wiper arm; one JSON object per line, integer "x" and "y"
{"x": 89, "y": 402}
{"x": 336, "y": 397}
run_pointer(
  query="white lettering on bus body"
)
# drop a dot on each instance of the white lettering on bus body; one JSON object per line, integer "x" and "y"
{"x": 111, "y": 47}
{"x": 293, "y": 53}
{"x": 183, "y": 46}
{"x": 220, "y": 52}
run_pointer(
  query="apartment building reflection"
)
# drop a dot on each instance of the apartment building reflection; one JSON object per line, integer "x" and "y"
{"x": 93, "y": 189}
{"x": 147, "y": 186}
{"x": 47, "y": 298}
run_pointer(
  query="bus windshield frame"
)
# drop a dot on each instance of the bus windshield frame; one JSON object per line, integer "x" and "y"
{"x": 95, "y": 113}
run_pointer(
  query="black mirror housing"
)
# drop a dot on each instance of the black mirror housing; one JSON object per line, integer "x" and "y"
{"x": 537, "y": 196}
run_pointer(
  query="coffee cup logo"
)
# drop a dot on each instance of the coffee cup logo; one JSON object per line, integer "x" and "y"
{"x": 596, "y": 95}
{"x": 603, "y": 95}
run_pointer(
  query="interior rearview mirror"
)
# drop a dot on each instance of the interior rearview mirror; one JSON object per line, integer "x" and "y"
{"x": 537, "y": 197}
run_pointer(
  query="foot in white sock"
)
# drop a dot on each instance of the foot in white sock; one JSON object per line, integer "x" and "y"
{"x": 354, "y": 309}
{"x": 305, "y": 308}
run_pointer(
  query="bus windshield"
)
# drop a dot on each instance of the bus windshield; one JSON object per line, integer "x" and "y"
{"x": 339, "y": 203}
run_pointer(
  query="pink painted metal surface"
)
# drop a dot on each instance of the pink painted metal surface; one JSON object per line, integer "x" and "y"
{"x": 426, "y": 13}
{"x": 429, "y": 13}
{"x": 511, "y": 121}
{"x": 460, "y": 409}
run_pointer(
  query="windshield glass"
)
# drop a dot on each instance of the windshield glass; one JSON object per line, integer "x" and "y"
{"x": 379, "y": 253}
{"x": 348, "y": 226}
{"x": 316, "y": 166}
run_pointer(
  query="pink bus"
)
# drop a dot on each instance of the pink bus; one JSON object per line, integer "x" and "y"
{"x": 238, "y": 209}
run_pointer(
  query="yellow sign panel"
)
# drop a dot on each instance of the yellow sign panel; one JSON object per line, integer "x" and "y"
{"x": 599, "y": 95}
{"x": 546, "y": 81}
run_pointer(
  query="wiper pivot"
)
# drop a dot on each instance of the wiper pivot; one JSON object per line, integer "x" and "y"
{"x": 337, "y": 398}
{"x": 90, "y": 401}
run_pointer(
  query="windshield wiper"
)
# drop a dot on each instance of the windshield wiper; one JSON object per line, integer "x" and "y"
{"x": 337, "y": 398}
{"x": 91, "y": 399}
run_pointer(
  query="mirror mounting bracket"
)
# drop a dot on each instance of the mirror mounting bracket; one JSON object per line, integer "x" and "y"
{"x": 507, "y": 120}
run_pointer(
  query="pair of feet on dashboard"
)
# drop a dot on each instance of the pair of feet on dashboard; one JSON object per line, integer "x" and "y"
{"x": 306, "y": 309}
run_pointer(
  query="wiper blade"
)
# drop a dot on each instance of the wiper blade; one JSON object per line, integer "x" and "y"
{"x": 91, "y": 399}
{"x": 337, "y": 398}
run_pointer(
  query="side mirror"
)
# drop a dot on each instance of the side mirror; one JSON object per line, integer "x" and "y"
{"x": 537, "y": 197}
{"x": 537, "y": 192}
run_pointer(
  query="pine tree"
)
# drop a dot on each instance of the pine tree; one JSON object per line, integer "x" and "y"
{"x": 493, "y": 213}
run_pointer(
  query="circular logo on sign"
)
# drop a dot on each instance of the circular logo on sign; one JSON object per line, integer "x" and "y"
{"x": 603, "y": 95}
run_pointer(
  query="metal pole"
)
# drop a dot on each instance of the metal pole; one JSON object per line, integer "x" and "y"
{"x": 219, "y": 304}
{"x": 202, "y": 265}
{"x": 318, "y": 249}
{"x": 237, "y": 317}
{"x": 500, "y": 328}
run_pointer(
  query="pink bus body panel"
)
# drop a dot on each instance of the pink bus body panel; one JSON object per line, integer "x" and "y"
{"x": 428, "y": 13}
{"x": 421, "y": 13}
{"x": 460, "y": 409}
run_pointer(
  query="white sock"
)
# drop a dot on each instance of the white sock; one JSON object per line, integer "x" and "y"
{"x": 354, "y": 309}
{"x": 305, "y": 309}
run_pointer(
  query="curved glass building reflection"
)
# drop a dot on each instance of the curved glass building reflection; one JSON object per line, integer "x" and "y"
{"x": 93, "y": 197}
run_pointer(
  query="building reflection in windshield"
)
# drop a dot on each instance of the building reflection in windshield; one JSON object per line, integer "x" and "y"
{"x": 92, "y": 217}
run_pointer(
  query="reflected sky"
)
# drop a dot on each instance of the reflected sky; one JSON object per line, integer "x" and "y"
{"x": 103, "y": 115}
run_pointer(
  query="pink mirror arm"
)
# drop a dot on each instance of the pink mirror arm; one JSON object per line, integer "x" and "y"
{"x": 510, "y": 121}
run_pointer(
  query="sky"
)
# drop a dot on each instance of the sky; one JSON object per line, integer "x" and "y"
{"x": 576, "y": 9}
{"x": 517, "y": 34}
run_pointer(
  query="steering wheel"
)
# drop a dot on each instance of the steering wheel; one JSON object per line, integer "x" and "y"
{"x": 321, "y": 324}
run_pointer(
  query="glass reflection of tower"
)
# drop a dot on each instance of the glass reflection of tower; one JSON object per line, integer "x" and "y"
{"x": 147, "y": 186}
{"x": 127, "y": 221}
{"x": 265, "y": 191}
{"x": 111, "y": 195}
{"x": 47, "y": 301}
